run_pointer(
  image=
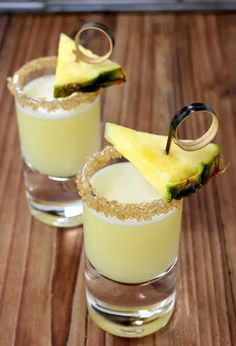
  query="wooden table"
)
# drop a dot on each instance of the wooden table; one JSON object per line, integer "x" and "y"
{"x": 171, "y": 60}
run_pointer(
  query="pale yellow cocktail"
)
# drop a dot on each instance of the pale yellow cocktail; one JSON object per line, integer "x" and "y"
{"x": 56, "y": 136}
{"x": 57, "y": 142}
{"x": 131, "y": 243}
{"x": 129, "y": 251}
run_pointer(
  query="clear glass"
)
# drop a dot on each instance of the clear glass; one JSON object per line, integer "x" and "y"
{"x": 130, "y": 261}
{"x": 56, "y": 136}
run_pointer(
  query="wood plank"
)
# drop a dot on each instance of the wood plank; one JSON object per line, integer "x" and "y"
{"x": 68, "y": 254}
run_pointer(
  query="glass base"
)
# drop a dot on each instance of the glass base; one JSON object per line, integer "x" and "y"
{"x": 130, "y": 310}
{"x": 53, "y": 200}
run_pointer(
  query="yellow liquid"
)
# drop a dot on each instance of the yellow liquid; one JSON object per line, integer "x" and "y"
{"x": 57, "y": 143}
{"x": 129, "y": 251}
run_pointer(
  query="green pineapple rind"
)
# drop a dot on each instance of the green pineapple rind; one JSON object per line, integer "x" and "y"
{"x": 208, "y": 170}
{"x": 103, "y": 80}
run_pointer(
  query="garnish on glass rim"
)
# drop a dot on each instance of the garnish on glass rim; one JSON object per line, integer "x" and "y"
{"x": 80, "y": 70}
{"x": 174, "y": 173}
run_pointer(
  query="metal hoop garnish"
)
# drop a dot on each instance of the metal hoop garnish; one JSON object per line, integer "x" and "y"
{"x": 180, "y": 116}
{"x": 80, "y": 55}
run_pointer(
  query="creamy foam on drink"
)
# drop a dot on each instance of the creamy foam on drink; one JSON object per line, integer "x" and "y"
{"x": 123, "y": 182}
{"x": 41, "y": 87}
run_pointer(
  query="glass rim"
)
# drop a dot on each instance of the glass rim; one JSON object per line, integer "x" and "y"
{"x": 16, "y": 87}
{"x": 143, "y": 211}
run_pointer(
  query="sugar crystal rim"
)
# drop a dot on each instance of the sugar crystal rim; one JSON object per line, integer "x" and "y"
{"x": 140, "y": 211}
{"x": 16, "y": 86}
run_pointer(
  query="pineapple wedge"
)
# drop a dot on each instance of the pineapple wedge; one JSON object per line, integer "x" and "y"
{"x": 175, "y": 175}
{"x": 74, "y": 76}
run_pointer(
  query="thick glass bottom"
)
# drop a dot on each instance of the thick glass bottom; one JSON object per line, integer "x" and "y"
{"x": 130, "y": 310}
{"x": 53, "y": 200}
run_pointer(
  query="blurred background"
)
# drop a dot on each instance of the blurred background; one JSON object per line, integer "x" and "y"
{"x": 114, "y": 5}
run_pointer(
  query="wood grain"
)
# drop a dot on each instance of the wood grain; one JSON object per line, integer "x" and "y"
{"x": 171, "y": 60}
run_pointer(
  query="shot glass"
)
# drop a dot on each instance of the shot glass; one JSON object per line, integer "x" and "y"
{"x": 131, "y": 249}
{"x": 56, "y": 135}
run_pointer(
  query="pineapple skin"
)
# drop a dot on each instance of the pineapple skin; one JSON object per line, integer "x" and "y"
{"x": 104, "y": 80}
{"x": 190, "y": 186}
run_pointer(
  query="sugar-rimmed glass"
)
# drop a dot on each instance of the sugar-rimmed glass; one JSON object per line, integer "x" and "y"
{"x": 56, "y": 136}
{"x": 131, "y": 256}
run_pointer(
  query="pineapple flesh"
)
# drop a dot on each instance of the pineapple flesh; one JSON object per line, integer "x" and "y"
{"x": 175, "y": 175}
{"x": 72, "y": 75}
